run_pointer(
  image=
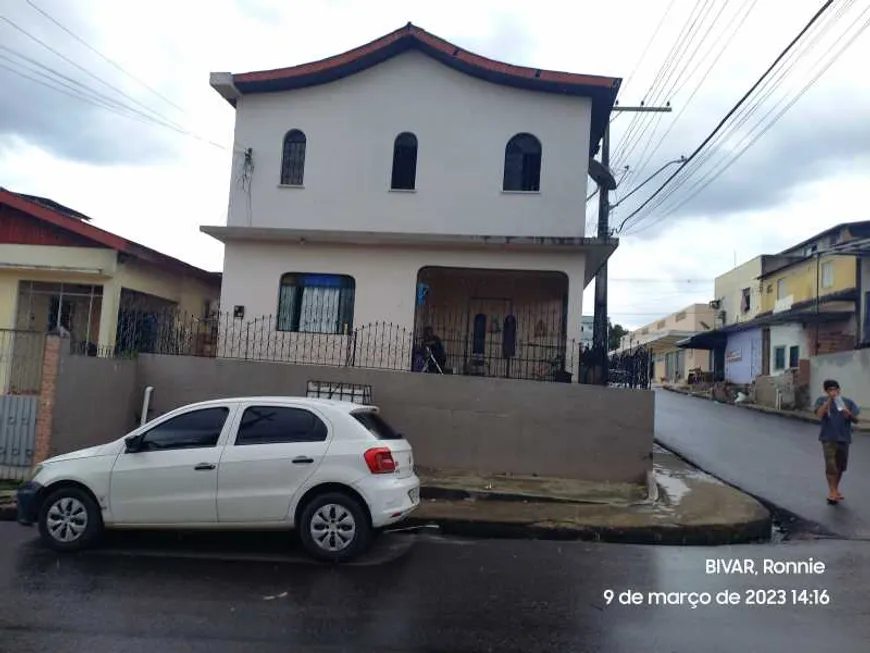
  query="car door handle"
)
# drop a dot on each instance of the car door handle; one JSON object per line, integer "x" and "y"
{"x": 204, "y": 467}
{"x": 303, "y": 460}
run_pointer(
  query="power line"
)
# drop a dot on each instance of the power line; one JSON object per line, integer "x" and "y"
{"x": 675, "y": 73}
{"x": 735, "y": 108}
{"x": 156, "y": 118}
{"x": 86, "y": 71}
{"x": 102, "y": 56}
{"x": 744, "y": 114}
{"x": 742, "y": 145}
{"x": 749, "y": 5}
{"x": 716, "y": 173}
{"x": 647, "y": 46}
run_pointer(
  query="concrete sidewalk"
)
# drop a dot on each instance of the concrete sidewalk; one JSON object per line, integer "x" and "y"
{"x": 681, "y": 505}
{"x": 802, "y": 415}
{"x": 690, "y": 508}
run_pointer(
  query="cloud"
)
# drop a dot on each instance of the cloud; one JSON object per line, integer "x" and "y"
{"x": 51, "y": 103}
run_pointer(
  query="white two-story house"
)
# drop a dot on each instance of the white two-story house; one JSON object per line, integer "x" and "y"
{"x": 408, "y": 184}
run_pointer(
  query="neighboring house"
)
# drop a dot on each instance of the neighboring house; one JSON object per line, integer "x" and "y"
{"x": 59, "y": 272}
{"x": 672, "y": 363}
{"x": 810, "y": 304}
{"x": 410, "y": 183}
{"x": 587, "y": 325}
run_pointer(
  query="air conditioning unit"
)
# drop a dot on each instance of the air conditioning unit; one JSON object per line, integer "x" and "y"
{"x": 715, "y": 304}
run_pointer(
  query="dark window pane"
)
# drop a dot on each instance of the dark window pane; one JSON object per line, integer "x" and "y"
{"x": 274, "y": 424}
{"x": 316, "y": 303}
{"x": 522, "y": 163}
{"x": 376, "y": 425}
{"x": 404, "y": 162}
{"x": 199, "y": 428}
{"x": 779, "y": 358}
{"x": 293, "y": 158}
{"x": 794, "y": 356}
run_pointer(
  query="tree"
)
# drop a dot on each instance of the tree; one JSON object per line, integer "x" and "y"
{"x": 614, "y": 335}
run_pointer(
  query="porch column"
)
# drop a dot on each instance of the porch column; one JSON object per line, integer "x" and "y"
{"x": 574, "y": 321}
{"x": 111, "y": 302}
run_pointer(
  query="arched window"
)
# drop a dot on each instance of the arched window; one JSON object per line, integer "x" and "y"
{"x": 522, "y": 163}
{"x": 293, "y": 158}
{"x": 404, "y": 162}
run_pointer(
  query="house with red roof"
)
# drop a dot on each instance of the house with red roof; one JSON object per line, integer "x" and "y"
{"x": 412, "y": 183}
{"x": 59, "y": 272}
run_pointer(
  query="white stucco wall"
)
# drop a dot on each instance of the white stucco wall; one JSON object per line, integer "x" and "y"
{"x": 385, "y": 277}
{"x": 462, "y": 125}
{"x": 786, "y": 335}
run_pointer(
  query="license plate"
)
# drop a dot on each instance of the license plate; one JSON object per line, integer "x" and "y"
{"x": 414, "y": 495}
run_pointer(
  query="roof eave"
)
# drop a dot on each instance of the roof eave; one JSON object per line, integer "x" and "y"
{"x": 223, "y": 83}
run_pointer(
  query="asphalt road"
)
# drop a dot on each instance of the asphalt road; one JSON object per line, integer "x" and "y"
{"x": 775, "y": 458}
{"x": 417, "y": 593}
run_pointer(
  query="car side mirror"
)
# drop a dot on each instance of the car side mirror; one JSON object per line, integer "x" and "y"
{"x": 134, "y": 443}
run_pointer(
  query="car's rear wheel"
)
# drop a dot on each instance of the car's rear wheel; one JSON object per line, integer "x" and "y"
{"x": 69, "y": 519}
{"x": 335, "y": 527}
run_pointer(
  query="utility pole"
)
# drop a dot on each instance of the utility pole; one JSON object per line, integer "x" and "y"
{"x": 600, "y": 332}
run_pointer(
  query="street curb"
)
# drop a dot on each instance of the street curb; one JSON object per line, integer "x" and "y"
{"x": 454, "y": 494}
{"x": 776, "y": 513}
{"x": 694, "y": 535}
{"x": 859, "y": 428}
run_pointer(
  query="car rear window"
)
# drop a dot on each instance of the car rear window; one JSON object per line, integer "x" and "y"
{"x": 376, "y": 425}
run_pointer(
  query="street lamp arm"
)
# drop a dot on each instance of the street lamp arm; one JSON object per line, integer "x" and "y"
{"x": 682, "y": 159}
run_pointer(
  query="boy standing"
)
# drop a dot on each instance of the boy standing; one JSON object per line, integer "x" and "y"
{"x": 837, "y": 415}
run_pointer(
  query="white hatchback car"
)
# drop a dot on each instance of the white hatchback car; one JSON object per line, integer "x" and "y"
{"x": 334, "y": 470}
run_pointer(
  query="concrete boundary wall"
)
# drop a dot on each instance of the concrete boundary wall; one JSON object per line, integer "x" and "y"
{"x": 850, "y": 368}
{"x": 495, "y": 425}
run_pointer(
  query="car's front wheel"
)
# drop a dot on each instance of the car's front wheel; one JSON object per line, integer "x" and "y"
{"x": 334, "y": 527}
{"x": 69, "y": 519}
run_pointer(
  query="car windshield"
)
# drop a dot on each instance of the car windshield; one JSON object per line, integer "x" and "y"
{"x": 376, "y": 425}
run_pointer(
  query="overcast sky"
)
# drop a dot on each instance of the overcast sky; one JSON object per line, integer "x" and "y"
{"x": 158, "y": 184}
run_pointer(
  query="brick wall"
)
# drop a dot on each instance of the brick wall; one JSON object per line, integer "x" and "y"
{"x": 47, "y": 392}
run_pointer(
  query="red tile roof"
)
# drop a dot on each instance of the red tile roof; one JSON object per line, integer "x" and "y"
{"x": 412, "y": 33}
{"x": 601, "y": 90}
{"x": 40, "y": 211}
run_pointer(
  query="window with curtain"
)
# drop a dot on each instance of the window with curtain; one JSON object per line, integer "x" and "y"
{"x": 316, "y": 303}
{"x": 522, "y": 164}
{"x": 404, "y": 162}
{"x": 293, "y": 158}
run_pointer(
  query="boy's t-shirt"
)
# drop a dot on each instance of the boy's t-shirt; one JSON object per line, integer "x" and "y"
{"x": 836, "y": 427}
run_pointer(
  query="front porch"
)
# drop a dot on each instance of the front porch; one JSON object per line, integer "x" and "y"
{"x": 499, "y": 323}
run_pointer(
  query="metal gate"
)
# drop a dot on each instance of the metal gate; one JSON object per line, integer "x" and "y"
{"x": 17, "y": 435}
{"x": 20, "y": 379}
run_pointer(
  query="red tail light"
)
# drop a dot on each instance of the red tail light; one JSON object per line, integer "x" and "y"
{"x": 380, "y": 460}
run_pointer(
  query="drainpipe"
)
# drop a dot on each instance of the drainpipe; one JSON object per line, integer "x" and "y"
{"x": 818, "y": 290}
{"x": 146, "y": 404}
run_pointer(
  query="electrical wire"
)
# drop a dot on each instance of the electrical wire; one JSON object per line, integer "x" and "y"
{"x": 716, "y": 173}
{"x": 742, "y": 145}
{"x": 153, "y": 116}
{"x": 637, "y": 118}
{"x": 640, "y": 59}
{"x": 735, "y": 108}
{"x": 676, "y": 72}
{"x": 740, "y": 118}
{"x": 746, "y": 10}
{"x": 111, "y": 62}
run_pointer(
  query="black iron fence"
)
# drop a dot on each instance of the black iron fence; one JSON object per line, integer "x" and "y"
{"x": 529, "y": 347}
{"x": 517, "y": 347}
{"x": 631, "y": 368}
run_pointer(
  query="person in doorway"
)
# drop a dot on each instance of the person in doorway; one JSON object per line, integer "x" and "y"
{"x": 837, "y": 414}
{"x": 433, "y": 346}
